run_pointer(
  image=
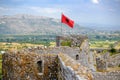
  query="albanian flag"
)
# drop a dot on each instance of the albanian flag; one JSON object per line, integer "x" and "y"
{"x": 67, "y": 21}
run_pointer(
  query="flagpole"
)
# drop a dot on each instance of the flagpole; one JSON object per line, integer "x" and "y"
{"x": 61, "y": 28}
{"x": 61, "y": 25}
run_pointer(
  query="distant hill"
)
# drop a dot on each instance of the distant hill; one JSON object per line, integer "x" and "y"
{"x": 29, "y": 24}
{"x": 102, "y": 27}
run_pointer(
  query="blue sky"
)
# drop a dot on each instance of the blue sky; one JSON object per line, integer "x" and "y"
{"x": 81, "y": 11}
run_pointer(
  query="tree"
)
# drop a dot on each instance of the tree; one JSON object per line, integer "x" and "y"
{"x": 113, "y": 51}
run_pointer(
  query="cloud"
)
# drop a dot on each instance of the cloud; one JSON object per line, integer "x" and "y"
{"x": 95, "y": 1}
{"x": 46, "y": 10}
{"x": 34, "y": 10}
{"x": 4, "y": 9}
{"x": 111, "y": 9}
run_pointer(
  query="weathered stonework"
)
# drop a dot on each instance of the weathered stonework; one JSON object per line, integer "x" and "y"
{"x": 113, "y": 75}
{"x": 76, "y": 40}
{"x": 24, "y": 66}
{"x": 114, "y": 60}
{"x": 75, "y": 63}
{"x": 72, "y": 70}
{"x": 101, "y": 65}
{"x": 81, "y": 50}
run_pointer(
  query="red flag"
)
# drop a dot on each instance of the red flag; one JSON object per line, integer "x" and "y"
{"x": 67, "y": 21}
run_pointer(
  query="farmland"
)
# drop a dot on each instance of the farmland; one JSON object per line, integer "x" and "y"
{"x": 102, "y": 44}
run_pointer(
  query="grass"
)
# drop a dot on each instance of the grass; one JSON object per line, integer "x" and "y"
{"x": 15, "y": 46}
{"x": 66, "y": 43}
{"x": 117, "y": 46}
{"x": 52, "y": 44}
{"x": 101, "y": 44}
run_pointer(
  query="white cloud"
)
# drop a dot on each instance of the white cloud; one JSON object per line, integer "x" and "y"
{"x": 4, "y": 9}
{"x": 95, "y": 1}
{"x": 34, "y": 10}
{"x": 46, "y": 10}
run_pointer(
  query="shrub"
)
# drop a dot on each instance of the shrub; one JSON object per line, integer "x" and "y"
{"x": 113, "y": 51}
{"x": 119, "y": 65}
{"x": 66, "y": 43}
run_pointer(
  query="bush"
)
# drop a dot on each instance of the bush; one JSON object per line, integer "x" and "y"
{"x": 113, "y": 51}
{"x": 66, "y": 43}
{"x": 119, "y": 65}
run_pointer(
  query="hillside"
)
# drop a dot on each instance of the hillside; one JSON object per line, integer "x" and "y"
{"x": 28, "y": 24}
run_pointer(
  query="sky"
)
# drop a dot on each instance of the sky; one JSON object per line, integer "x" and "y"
{"x": 105, "y": 12}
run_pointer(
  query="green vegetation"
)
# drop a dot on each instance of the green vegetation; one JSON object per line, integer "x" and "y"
{"x": 16, "y": 46}
{"x": 112, "y": 46}
{"x": 101, "y": 44}
{"x": 66, "y": 43}
{"x": 119, "y": 65}
{"x": 103, "y": 36}
{"x": 113, "y": 51}
{"x": 33, "y": 39}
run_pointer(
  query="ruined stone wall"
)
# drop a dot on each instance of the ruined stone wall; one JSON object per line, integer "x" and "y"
{"x": 32, "y": 66}
{"x": 79, "y": 48}
{"x": 101, "y": 65}
{"x": 69, "y": 69}
{"x": 66, "y": 72}
{"x": 114, "y": 75}
{"x": 85, "y": 57}
{"x": 76, "y": 40}
{"x": 24, "y": 66}
{"x": 114, "y": 61}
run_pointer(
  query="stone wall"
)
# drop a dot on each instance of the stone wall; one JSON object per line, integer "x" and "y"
{"x": 76, "y": 40}
{"x": 101, "y": 65}
{"x": 85, "y": 57}
{"x": 114, "y": 75}
{"x": 114, "y": 61}
{"x": 67, "y": 73}
{"x": 33, "y": 66}
{"x": 79, "y": 50}
{"x": 29, "y": 66}
{"x": 71, "y": 70}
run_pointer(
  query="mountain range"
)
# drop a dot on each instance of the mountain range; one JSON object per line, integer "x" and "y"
{"x": 29, "y": 24}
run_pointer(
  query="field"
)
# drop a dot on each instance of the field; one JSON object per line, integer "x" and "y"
{"x": 15, "y": 46}
{"x": 102, "y": 44}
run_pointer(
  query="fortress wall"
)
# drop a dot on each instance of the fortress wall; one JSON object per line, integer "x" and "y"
{"x": 32, "y": 66}
{"x": 84, "y": 56}
{"x": 113, "y": 75}
{"x": 29, "y": 66}
{"x": 69, "y": 69}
